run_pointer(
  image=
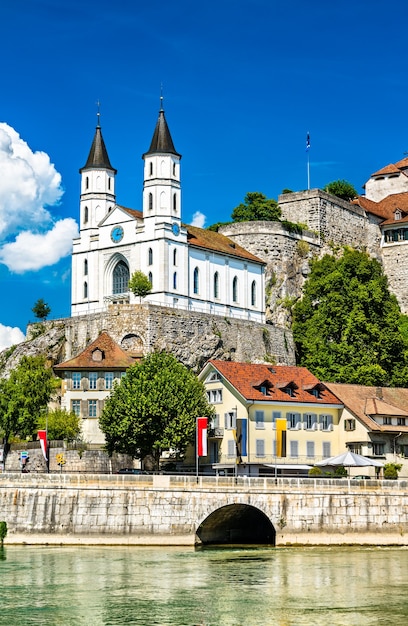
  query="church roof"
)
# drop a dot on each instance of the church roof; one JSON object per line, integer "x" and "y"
{"x": 247, "y": 378}
{"x": 162, "y": 141}
{"x": 103, "y": 353}
{"x": 211, "y": 240}
{"x": 98, "y": 155}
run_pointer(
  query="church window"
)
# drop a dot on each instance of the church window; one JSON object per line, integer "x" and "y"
{"x": 196, "y": 281}
{"x": 150, "y": 201}
{"x": 253, "y": 293}
{"x": 85, "y": 289}
{"x": 163, "y": 200}
{"x": 174, "y": 169}
{"x": 87, "y": 183}
{"x": 150, "y": 278}
{"x": 174, "y": 203}
{"x": 85, "y": 215}
{"x": 174, "y": 257}
{"x": 150, "y": 257}
{"x": 85, "y": 267}
{"x": 235, "y": 289}
{"x": 109, "y": 183}
{"x": 151, "y": 169}
{"x": 120, "y": 283}
{"x": 175, "y": 280}
{"x": 216, "y": 285}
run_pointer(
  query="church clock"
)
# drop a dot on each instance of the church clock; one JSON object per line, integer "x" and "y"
{"x": 116, "y": 234}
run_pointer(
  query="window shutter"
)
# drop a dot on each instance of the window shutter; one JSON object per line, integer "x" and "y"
{"x": 275, "y": 415}
{"x": 226, "y": 420}
{"x": 298, "y": 420}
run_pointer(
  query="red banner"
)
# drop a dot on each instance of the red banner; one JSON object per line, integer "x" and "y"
{"x": 42, "y": 435}
{"x": 202, "y": 423}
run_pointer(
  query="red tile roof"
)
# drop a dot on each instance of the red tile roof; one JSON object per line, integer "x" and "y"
{"x": 138, "y": 215}
{"x": 245, "y": 377}
{"x": 113, "y": 357}
{"x": 364, "y": 401}
{"x": 386, "y": 207}
{"x": 210, "y": 240}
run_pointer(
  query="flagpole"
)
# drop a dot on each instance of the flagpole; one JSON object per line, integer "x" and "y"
{"x": 197, "y": 449}
{"x": 308, "y": 159}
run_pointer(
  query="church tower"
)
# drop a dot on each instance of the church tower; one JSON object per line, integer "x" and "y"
{"x": 161, "y": 181}
{"x": 97, "y": 184}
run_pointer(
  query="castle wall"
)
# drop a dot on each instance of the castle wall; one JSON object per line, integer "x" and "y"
{"x": 192, "y": 337}
{"x": 394, "y": 257}
{"x": 334, "y": 220}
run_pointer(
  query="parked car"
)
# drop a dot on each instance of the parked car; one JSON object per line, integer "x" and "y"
{"x": 130, "y": 470}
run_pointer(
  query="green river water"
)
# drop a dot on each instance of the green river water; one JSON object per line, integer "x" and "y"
{"x": 103, "y": 586}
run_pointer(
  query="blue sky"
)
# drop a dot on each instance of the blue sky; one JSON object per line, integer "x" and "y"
{"x": 243, "y": 82}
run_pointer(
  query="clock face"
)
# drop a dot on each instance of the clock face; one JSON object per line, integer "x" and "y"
{"x": 176, "y": 229}
{"x": 116, "y": 234}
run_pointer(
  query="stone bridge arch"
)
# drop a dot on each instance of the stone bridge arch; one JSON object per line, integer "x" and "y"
{"x": 236, "y": 524}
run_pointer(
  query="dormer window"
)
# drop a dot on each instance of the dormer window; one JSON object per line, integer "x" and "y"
{"x": 397, "y": 214}
{"x": 265, "y": 387}
{"x": 98, "y": 355}
{"x": 287, "y": 387}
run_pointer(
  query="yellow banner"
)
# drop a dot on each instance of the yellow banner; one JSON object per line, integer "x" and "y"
{"x": 280, "y": 437}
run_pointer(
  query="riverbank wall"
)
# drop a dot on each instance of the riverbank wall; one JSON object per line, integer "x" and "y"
{"x": 160, "y": 509}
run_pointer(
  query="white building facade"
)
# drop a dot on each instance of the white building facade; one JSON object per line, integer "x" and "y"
{"x": 188, "y": 267}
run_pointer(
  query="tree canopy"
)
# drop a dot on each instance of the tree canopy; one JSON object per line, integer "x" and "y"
{"x": 347, "y": 327}
{"x": 342, "y": 189}
{"x": 41, "y": 309}
{"x": 139, "y": 284}
{"x": 23, "y": 396}
{"x": 61, "y": 424}
{"x": 154, "y": 408}
{"x": 256, "y": 206}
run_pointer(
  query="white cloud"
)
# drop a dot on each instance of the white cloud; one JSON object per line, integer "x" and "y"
{"x": 29, "y": 182}
{"x": 32, "y": 251}
{"x": 10, "y": 336}
{"x": 199, "y": 219}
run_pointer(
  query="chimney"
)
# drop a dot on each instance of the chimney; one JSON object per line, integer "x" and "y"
{"x": 379, "y": 393}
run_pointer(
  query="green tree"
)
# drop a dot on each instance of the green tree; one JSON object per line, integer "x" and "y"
{"x": 342, "y": 189}
{"x": 391, "y": 470}
{"x": 140, "y": 285}
{"x": 256, "y": 206}
{"x": 154, "y": 408}
{"x": 61, "y": 424}
{"x": 347, "y": 325}
{"x": 41, "y": 309}
{"x": 23, "y": 396}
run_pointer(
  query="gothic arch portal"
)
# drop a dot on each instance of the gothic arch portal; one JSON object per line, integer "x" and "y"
{"x": 117, "y": 275}
{"x": 236, "y": 524}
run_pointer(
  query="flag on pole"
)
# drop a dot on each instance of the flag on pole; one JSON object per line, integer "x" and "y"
{"x": 42, "y": 435}
{"x": 281, "y": 437}
{"x": 202, "y": 423}
{"x": 307, "y": 142}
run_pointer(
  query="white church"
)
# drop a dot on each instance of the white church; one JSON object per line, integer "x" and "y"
{"x": 188, "y": 267}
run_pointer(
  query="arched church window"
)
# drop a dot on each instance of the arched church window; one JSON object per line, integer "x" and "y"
{"x": 85, "y": 289}
{"x": 175, "y": 280}
{"x": 150, "y": 257}
{"x": 120, "y": 278}
{"x": 150, "y": 201}
{"x": 174, "y": 169}
{"x": 216, "y": 285}
{"x": 196, "y": 277}
{"x": 174, "y": 203}
{"x": 253, "y": 293}
{"x": 150, "y": 278}
{"x": 174, "y": 257}
{"x": 86, "y": 214}
{"x": 86, "y": 267}
{"x": 235, "y": 289}
{"x": 87, "y": 183}
{"x": 151, "y": 169}
{"x": 109, "y": 183}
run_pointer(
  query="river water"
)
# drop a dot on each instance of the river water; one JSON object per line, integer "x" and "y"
{"x": 105, "y": 586}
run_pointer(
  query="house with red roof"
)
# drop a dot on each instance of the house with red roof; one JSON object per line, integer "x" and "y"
{"x": 88, "y": 379}
{"x": 374, "y": 422}
{"x": 252, "y": 403}
{"x": 189, "y": 268}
